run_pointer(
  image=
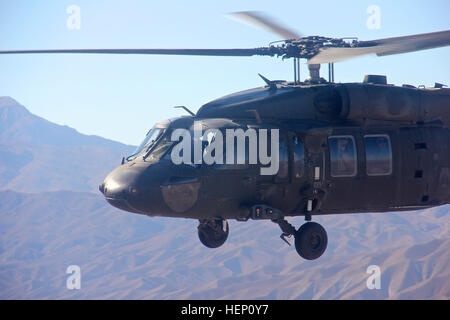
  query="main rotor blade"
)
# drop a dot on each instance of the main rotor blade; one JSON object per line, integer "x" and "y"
{"x": 259, "y": 19}
{"x": 384, "y": 47}
{"x": 188, "y": 52}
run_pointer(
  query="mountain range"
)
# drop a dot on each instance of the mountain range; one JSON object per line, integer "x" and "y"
{"x": 52, "y": 216}
{"x": 37, "y": 155}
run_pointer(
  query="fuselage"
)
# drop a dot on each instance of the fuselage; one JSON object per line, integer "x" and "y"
{"x": 343, "y": 148}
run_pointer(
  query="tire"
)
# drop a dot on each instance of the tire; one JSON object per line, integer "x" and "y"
{"x": 211, "y": 234}
{"x": 311, "y": 240}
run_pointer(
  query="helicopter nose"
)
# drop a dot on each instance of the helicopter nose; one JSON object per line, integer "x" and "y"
{"x": 119, "y": 189}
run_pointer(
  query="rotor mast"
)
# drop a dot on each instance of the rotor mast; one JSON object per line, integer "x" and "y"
{"x": 314, "y": 72}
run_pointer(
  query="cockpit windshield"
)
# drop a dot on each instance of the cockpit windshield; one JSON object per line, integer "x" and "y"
{"x": 161, "y": 147}
{"x": 150, "y": 139}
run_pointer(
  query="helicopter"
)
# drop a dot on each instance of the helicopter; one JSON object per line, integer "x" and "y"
{"x": 338, "y": 147}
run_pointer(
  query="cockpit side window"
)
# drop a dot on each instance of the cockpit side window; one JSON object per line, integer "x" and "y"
{"x": 239, "y": 159}
{"x": 211, "y": 137}
{"x": 200, "y": 149}
{"x": 283, "y": 169}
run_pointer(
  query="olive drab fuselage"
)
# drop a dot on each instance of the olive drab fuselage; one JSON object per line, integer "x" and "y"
{"x": 344, "y": 148}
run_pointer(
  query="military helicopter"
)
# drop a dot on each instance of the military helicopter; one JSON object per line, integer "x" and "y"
{"x": 342, "y": 147}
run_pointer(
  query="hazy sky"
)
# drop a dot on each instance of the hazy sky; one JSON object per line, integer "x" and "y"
{"x": 121, "y": 97}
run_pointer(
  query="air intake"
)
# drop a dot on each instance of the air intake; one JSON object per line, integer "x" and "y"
{"x": 375, "y": 79}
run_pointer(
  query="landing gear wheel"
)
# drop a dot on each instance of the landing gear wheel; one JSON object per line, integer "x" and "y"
{"x": 213, "y": 233}
{"x": 311, "y": 240}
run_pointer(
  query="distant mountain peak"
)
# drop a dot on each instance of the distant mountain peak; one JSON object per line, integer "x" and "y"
{"x": 8, "y": 101}
{"x": 37, "y": 155}
{"x": 21, "y": 127}
{"x": 11, "y": 111}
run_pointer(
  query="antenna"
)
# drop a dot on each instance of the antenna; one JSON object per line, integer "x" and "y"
{"x": 271, "y": 83}
{"x": 186, "y": 109}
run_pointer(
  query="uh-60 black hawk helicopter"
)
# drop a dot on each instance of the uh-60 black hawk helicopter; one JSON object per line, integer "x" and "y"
{"x": 342, "y": 147}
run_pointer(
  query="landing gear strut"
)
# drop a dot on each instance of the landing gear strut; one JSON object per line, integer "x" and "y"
{"x": 310, "y": 239}
{"x": 213, "y": 233}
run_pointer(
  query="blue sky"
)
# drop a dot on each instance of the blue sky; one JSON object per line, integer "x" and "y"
{"x": 121, "y": 97}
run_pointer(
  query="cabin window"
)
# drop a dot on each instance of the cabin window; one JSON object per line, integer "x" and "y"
{"x": 378, "y": 155}
{"x": 343, "y": 162}
{"x": 299, "y": 157}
